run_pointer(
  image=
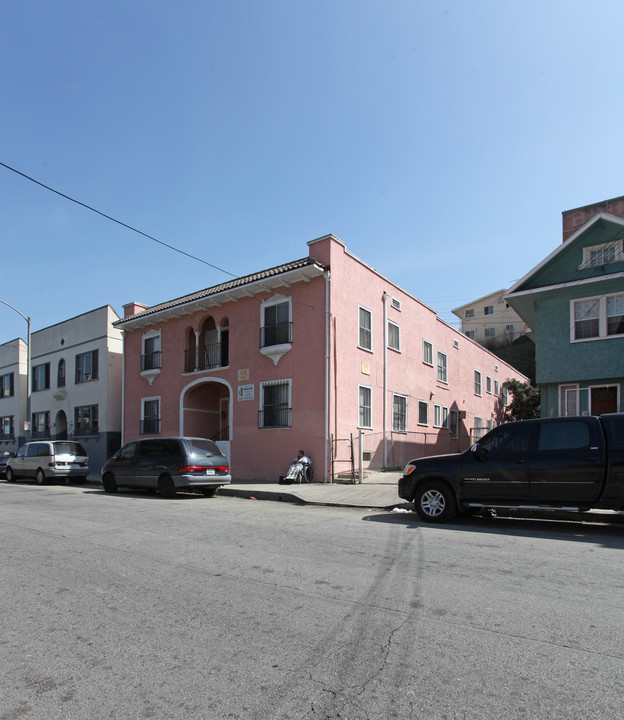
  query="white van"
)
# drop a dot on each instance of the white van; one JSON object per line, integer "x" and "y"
{"x": 48, "y": 460}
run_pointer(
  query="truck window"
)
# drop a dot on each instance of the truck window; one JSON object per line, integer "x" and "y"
{"x": 514, "y": 439}
{"x": 563, "y": 436}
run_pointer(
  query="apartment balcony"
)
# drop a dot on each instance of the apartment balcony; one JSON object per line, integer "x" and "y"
{"x": 209, "y": 357}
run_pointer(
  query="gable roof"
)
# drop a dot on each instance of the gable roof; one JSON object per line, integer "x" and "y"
{"x": 232, "y": 290}
{"x": 543, "y": 280}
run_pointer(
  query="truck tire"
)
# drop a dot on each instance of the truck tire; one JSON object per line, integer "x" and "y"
{"x": 435, "y": 502}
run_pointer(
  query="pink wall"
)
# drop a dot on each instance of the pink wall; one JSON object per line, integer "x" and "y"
{"x": 264, "y": 454}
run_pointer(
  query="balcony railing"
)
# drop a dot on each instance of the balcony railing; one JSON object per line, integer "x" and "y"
{"x": 210, "y": 357}
{"x": 151, "y": 361}
{"x": 280, "y": 334}
{"x": 274, "y": 417}
{"x": 150, "y": 426}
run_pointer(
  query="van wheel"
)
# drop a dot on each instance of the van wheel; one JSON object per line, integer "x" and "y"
{"x": 109, "y": 483}
{"x": 166, "y": 487}
{"x": 10, "y": 475}
{"x": 41, "y": 478}
{"x": 435, "y": 502}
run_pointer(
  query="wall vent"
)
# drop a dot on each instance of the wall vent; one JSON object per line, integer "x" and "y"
{"x": 396, "y": 304}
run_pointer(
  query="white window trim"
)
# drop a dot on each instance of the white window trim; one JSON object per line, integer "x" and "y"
{"x": 439, "y": 379}
{"x": 437, "y": 416}
{"x": 427, "y": 342}
{"x": 275, "y": 352}
{"x": 395, "y": 395}
{"x": 149, "y": 375}
{"x": 488, "y": 384}
{"x": 618, "y": 245}
{"x": 365, "y": 427}
{"x": 602, "y": 318}
{"x": 426, "y": 404}
{"x": 269, "y": 383}
{"x": 456, "y": 414}
{"x": 398, "y": 327}
{"x": 370, "y": 312}
{"x": 480, "y": 393}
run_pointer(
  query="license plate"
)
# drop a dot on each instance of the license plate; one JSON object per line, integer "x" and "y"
{"x": 210, "y": 472}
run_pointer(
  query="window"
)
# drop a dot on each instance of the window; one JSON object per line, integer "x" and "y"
{"x": 477, "y": 382}
{"x": 275, "y": 404}
{"x": 365, "y": 404}
{"x": 470, "y": 334}
{"x": 394, "y": 336}
{"x": 445, "y": 416}
{"x": 41, "y": 377}
{"x": 505, "y": 396}
{"x": 453, "y": 423}
{"x": 151, "y": 358}
{"x": 427, "y": 353}
{"x": 442, "y": 367}
{"x": 276, "y": 322}
{"x": 469, "y": 313}
{"x": 490, "y": 332}
{"x": 488, "y": 384}
{"x": 60, "y": 373}
{"x": 86, "y": 366}
{"x": 603, "y": 254}
{"x": 615, "y": 314}
{"x": 6, "y": 385}
{"x": 598, "y": 317}
{"x": 509, "y": 327}
{"x": 437, "y": 416}
{"x": 399, "y": 413}
{"x": 563, "y": 436}
{"x": 423, "y": 413}
{"x": 6, "y": 427}
{"x": 86, "y": 420}
{"x": 41, "y": 424}
{"x": 488, "y": 424}
{"x": 568, "y": 400}
{"x": 150, "y": 416}
{"x": 496, "y": 387}
{"x": 478, "y": 427}
{"x": 365, "y": 337}
{"x": 488, "y": 310}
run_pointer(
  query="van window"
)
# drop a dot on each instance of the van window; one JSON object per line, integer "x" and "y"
{"x": 170, "y": 447}
{"x": 127, "y": 452}
{"x": 150, "y": 448}
{"x": 69, "y": 448}
{"x": 38, "y": 450}
{"x": 563, "y": 436}
{"x": 203, "y": 448}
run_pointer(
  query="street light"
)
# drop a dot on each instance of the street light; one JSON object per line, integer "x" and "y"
{"x": 27, "y": 361}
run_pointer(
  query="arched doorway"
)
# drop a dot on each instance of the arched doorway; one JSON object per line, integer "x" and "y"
{"x": 206, "y": 411}
{"x": 60, "y": 426}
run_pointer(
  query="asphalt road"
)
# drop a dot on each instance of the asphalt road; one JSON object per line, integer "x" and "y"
{"x": 130, "y": 606}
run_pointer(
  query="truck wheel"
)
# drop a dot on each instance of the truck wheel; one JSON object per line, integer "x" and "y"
{"x": 435, "y": 502}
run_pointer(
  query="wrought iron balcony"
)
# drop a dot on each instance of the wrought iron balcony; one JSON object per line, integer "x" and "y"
{"x": 280, "y": 334}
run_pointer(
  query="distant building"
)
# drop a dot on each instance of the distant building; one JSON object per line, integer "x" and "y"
{"x": 307, "y": 355}
{"x": 75, "y": 385}
{"x": 490, "y": 320}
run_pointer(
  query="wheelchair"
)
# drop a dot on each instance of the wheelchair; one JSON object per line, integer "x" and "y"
{"x": 298, "y": 473}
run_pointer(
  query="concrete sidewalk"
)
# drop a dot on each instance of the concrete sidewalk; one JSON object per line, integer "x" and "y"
{"x": 378, "y": 490}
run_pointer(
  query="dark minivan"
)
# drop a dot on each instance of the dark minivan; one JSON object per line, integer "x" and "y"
{"x": 168, "y": 465}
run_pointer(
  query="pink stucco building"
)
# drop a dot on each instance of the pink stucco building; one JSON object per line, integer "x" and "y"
{"x": 307, "y": 355}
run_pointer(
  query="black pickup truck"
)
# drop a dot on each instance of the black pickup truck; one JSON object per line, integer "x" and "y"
{"x": 572, "y": 463}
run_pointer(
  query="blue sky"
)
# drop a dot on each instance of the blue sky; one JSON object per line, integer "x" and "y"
{"x": 439, "y": 140}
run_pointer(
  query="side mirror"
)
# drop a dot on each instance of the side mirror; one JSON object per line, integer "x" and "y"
{"x": 479, "y": 452}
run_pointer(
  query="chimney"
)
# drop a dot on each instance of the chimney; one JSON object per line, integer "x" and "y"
{"x": 133, "y": 308}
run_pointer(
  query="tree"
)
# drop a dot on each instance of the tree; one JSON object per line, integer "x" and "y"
{"x": 525, "y": 402}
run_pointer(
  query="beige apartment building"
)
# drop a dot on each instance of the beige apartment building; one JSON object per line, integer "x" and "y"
{"x": 491, "y": 320}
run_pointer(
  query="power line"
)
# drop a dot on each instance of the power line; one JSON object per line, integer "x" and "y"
{"x": 119, "y": 222}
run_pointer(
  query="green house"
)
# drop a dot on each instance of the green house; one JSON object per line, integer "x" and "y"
{"x": 574, "y": 303}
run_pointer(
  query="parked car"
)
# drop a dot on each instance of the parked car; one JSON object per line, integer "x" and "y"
{"x": 4, "y": 458}
{"x": 46, "y": 460}
{"x": 571, "y": 463}
{"x": 167, "y": 464}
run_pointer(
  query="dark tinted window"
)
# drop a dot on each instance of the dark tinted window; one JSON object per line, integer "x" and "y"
{"x": 203, "y": 448}
{"x": 614, "y": 426}
{"x": 38, "y": 450}
{"x": 127, "y": 452}
{"x": 171, "y": 447}
{"x": 150, "y": 448}
{"x": 512, "y": 439}
{"x": 563, "y": 436}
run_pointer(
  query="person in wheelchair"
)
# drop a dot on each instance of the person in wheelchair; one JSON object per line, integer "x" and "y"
{"x": 300, "y": 470}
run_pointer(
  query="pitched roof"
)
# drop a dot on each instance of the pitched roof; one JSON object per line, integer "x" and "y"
{"x": 264, "y": 280}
